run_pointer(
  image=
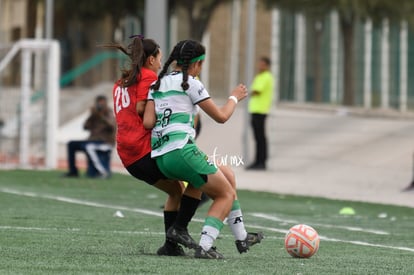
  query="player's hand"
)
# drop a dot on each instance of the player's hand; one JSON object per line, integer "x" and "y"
{"x": 240, "y": 92}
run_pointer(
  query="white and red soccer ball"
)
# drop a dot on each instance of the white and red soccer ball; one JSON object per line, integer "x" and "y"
{"x": 302, "y": 241}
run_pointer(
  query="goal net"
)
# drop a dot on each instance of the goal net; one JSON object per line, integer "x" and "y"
{"x": 29, "y": 104}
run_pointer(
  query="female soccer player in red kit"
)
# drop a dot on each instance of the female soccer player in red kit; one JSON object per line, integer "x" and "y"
{"x": 133, "y": 140}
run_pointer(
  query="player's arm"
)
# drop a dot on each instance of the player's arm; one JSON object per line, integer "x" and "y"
{"x": 149, "y": 115}
{"x": 222, "y": 114}
{"x": 142, "y": 90}
{"x": 140, "y": 107}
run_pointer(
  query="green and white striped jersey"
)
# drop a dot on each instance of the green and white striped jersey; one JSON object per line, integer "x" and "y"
{"x": 175, "y": 111}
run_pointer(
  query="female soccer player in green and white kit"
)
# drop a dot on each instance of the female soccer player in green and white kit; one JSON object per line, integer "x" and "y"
{"x": 172, "y": 104}
{"x": 130, "y": 94}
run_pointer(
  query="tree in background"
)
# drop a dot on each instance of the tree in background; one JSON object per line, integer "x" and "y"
{"x": 349, "y": 12}
{"x": 198, "y": 14}
{"x": 81, "y": 26}
{"x": 94, "y": 10}
{"x": 83, "y": 16}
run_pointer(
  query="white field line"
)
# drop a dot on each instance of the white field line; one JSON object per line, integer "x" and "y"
{"x": 349, "y": 228}
{"x": 8, "y": 227}
{"x": 79, "y": 202}
{"x": 83, "y": 202}
{"x": 16, "y": 228}
{"x": 158, "y": 214}
{"x": 120, "y": 232}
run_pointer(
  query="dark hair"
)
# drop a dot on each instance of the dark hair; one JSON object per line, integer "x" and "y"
{"x": 138, "y": 51}
{"x": 182, "y": 53}
{"x": 266, "y": 60}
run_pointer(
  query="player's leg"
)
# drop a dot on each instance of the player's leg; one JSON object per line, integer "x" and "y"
{"x": 191, "y": 165}
{"x": 146, "y": 170}
{"x": 235, "y": 219}
{"x": 188, "y": 206}
{"x": 178, "y": 232}
{"x": 221, "y": 192}
{"x": 175, "y": 165}
{"x": 197, "y": 126}
{"x": 174, "y": 189}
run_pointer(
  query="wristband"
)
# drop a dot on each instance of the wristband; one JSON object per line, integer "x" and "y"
{"x": 232, "y": 97}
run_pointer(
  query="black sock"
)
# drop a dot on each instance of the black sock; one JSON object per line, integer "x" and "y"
{"x": 169, "y": 219}
{"x": 187, "y": 210}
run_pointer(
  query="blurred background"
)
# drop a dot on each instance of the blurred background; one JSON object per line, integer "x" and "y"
{"x": 350, "y": 53}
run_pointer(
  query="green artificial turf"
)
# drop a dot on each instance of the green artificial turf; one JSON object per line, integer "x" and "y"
{"x": 52, "y": 225}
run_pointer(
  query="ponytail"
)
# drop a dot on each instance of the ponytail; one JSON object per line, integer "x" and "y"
{"x": 185, "y": 53}
{"x": 164, "y": 70}
{"x": 138, "y": 51}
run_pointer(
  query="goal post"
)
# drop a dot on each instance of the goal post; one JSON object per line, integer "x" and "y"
{"x": 49, "y": 124}
{"x": 53, "y": 91}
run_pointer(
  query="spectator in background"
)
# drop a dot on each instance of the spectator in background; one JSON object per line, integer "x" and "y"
{"x": 98, "y": 147}
{"x": 259, "y": 107}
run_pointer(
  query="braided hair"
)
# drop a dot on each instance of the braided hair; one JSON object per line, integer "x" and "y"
{"x": 182, "y": 53}
{"x": 138, "y": 51}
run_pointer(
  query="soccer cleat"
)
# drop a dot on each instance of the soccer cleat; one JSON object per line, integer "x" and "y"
{"x": 251, "y": 239}
{"x": 170, "y": 249}
{"x": 181, "y": 236}
{"x": 210, "y": 254}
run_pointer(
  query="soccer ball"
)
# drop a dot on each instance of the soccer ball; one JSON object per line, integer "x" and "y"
{"x": 302, "y": 241}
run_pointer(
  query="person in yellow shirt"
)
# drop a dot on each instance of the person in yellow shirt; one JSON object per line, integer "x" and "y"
{"x": 259, "y": 107}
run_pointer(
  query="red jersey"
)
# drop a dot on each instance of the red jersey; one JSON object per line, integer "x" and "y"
{"x": 132, "y": 139}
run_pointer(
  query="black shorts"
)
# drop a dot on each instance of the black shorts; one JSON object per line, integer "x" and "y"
{"x": 146, "y": 169}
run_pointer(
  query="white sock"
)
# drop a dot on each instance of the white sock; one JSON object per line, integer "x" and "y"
{"x": 210, "y": 232}
{"x": 235, "y": 221}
